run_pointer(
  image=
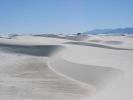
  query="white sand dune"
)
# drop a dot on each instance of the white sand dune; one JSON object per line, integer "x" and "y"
{"x": 95, "y": 41}
{"x": 39, "y": 82}
{"x": 97, "y": 76}
{"x": 32, "y": 78}
{"x": 56, "y": 67}
{"x": 96, "y": 45}
{"x": 67, "y": 37}
{"x": 114, "y": 42}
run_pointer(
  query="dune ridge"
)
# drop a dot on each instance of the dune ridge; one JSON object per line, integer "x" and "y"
{"x": 96, "y": 45}
{"x": 61, "y": 65}
{"x": 96, "y": 76}
{"x": 34, "y": 72}
{"x": 38, "y": 68}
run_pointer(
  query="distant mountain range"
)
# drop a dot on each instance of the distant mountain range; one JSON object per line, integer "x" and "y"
{"x": 107, "y": 31}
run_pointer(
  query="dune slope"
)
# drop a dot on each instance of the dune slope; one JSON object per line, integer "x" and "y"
{"x": 66, "y": 67}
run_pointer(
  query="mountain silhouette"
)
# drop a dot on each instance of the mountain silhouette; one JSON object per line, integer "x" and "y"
{"x": 107, "y": 31}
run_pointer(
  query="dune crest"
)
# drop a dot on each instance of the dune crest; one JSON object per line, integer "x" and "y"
{"x": 66, "y": 67}
{"x": 34, "y": 79}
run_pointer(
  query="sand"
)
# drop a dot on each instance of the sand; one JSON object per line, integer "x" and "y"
{"x": 66, "y": 67}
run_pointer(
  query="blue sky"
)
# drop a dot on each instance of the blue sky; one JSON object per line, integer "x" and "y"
{"x": 63, "y": 16}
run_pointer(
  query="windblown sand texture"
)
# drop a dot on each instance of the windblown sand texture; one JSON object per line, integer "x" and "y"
{"x": 66, "y": 67}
